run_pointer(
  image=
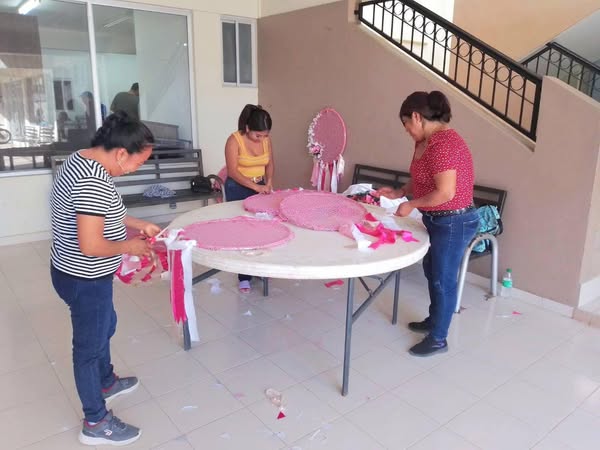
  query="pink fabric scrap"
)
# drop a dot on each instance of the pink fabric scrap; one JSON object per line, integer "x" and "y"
{"x": 238, "y": 233}
{"x": 385, "y": 235}
{"x": 334, "y": 283}
{"x": 321, "y": 211}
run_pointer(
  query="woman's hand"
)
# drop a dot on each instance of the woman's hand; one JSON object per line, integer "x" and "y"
{"x": 263, "y": 189}
{"x": 149, "y": 229}
{"x": 138, "y": 246}
{"x": 389, "y": 192}
{"x": 404, "y": 209}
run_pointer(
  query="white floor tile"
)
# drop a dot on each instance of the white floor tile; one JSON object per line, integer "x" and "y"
{"x": 248, "y": 382}
{"x": 541, "y": 409}
{"x": 311, "y": 323}
{"x": 339, "y": 434}
{"x": 163, "y": 375}
{"x": 328, "y": 387}
{"x": 197, "y": 404}
{"x": 435, "y": 396}
{"x": 271, "y": 337}
{"x": 471, "y": 374}
{"x": 240, "y": 430}
{"x": 304, "y": 412}
{"x": 580, "y": 431}
{"x": 224, "y": 353}
{"x": 490, "y": 428}
{"x": 67, "y": 440}
{"x": 51, "y": 415}
{"x": 392, "y": 422}
{"x": 146, "y": 347}
{"x": 303, "y": 361}
{"x": 386, "y": 368}
{"x": 155, "y": 424}
{"x": 445, "y": 439}
{"x": 27, "y": 385}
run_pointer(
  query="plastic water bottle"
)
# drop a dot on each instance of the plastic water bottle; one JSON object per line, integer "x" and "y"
{"x": 507, "y": 284}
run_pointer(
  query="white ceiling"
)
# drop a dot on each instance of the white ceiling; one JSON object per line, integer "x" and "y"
{"x": 72, "y": 17}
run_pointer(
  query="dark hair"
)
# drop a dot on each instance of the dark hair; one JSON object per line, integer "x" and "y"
{"x": 432, "y": 106}
{"x": 88, "y": 95}
{"x": 121, "y": 130}
{"x": 255, "y": 118}
{"x": 135, "y": 87}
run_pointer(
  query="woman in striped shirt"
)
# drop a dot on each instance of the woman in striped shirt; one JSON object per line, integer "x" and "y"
{"x": 88, "y": 239}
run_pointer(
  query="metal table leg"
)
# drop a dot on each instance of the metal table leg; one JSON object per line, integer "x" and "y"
{"x": 349, "y": 320}
{"x": 187, "y": 342}
{"x": 396, "y": 292}
{"x": 352, "y": 316}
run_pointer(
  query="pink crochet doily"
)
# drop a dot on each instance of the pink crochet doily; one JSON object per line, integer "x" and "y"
{"x": 238, "y": 233}
{"x": 267, "y": 203}
{"x": 322, "y": 211}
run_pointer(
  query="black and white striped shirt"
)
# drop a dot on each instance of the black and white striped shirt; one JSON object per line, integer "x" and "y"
{"x": 83, "y": 186}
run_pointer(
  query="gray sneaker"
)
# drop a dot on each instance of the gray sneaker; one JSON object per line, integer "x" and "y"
{"x": 109, "y": 431}
{"x": 119, "y": 387}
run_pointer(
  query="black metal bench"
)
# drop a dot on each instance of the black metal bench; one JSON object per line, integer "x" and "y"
{"x": 482, "y": 195}
{"x": 172, "y": 168}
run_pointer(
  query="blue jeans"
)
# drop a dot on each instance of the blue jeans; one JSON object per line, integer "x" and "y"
{"x": 235, "y": 191}
{"x": 449, "y": 237}
{"x": 94, "y": 321}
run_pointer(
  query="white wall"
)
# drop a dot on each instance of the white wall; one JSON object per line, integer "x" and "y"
{"x": 25, "y": 216}
{"x": 272, "y": 7}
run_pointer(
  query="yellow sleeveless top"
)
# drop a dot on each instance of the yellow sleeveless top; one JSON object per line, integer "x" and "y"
{"x": 248, "y": 165}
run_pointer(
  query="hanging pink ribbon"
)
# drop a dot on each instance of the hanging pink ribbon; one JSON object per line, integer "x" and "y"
{"x": 177, "y": 286}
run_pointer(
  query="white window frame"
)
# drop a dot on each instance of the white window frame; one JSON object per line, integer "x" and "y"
{"x": 237, "y": 20}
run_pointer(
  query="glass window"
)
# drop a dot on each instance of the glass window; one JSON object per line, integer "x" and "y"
{"x": 48, "y": 104}
{"x": 229, "y": 53}
{"x": 45, "y": 70}
{"x": 144, "y": 72}
{"x": 238, "y": 51}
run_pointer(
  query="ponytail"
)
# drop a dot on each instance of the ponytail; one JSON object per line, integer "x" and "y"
{"x": 433, "y": 106}
{"x": 254, "y": 118}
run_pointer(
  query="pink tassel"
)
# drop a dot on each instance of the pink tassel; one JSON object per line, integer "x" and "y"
{"x": 177, "y": 287}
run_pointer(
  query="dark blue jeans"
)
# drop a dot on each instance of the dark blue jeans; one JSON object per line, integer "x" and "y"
{"x": 94, "y": 321}
{"x": 449, "y": 237}
{"x": 235, "y": 191}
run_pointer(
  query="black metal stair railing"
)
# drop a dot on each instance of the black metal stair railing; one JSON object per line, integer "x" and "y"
{"x": 557, "y": 61}
{"x": 503, "y": 86}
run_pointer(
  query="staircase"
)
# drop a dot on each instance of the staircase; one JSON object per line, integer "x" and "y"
{"x": 558, "y": 61}
{"x": 500, "y": 84}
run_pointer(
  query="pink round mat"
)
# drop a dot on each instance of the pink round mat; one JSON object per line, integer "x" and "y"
{"x": 267, "y": 203}
{"x": 238, "y": 233}
{"x": 321, "y": 211}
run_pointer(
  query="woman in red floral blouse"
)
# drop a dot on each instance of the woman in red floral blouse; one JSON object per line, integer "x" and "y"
{"x": 441, "y": 187}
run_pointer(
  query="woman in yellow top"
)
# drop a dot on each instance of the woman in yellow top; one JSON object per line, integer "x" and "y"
{"x": 249, "y": 162}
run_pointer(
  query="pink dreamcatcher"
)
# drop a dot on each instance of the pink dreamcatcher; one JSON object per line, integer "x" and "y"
{"x": 326, "y": 144}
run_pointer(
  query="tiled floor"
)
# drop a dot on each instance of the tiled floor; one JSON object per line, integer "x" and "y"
{"x": 529, "y": 380}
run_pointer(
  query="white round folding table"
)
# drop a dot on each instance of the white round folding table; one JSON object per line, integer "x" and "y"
{"x": 313, "y": 255}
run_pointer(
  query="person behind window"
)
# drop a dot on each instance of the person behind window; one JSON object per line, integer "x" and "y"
{"x": 88, "y": 240}
{"x": 128, "y": 101}
{"x": 249, "y": 159}
{"x": 87, "y": 98}
{"x": 441, "y": 185}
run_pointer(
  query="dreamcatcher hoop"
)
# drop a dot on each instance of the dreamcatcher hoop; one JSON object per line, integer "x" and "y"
{"x": 326, "y": 144}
